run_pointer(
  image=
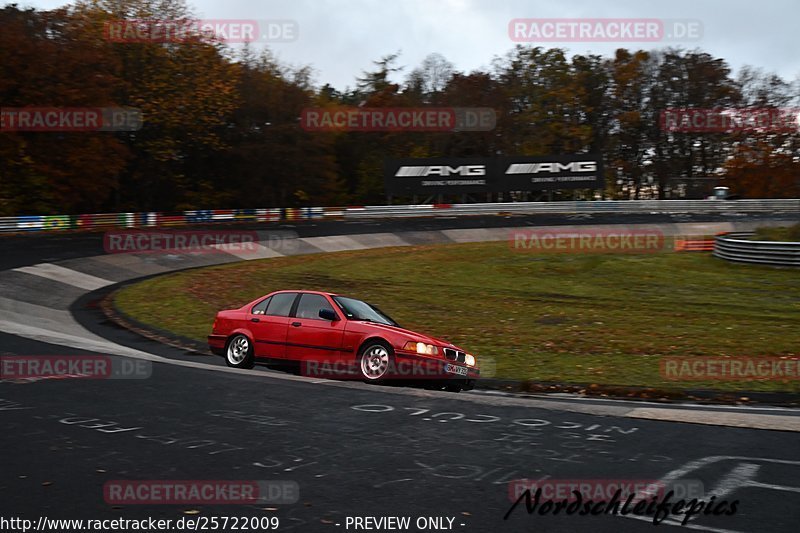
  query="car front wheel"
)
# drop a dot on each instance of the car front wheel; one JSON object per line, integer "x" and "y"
{"x": 239, "y": 353}
{"x": 375, "y": 358}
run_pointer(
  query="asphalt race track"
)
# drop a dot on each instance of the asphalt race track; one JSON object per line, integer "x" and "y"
{"x": 350, "y": 449}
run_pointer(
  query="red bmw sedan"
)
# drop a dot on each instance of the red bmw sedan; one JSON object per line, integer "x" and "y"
{"x": 336, "y": 337}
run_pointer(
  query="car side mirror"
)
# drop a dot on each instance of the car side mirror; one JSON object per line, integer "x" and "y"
{"x": 328, "y": 314}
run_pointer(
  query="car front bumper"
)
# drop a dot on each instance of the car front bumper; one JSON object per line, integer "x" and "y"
{"x": 411, "y": 365}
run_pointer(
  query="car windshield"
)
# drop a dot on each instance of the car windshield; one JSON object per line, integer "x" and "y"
{"x": 358, "y": 310}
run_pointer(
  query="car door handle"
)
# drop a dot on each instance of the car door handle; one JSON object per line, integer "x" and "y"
{"x": 255, "y": 320}
{"x": 297, "y": 324}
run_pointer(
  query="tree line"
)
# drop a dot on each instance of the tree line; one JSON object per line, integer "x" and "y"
{"x": 221, "y": 125}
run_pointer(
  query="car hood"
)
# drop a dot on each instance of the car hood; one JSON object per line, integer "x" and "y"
{"x": 413, "y": 335}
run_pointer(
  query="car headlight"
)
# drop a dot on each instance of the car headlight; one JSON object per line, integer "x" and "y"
{"x": 421, "y": 348}
{"x": 469, "y": 359}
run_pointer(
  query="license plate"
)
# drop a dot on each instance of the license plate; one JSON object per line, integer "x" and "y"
{"x": 453, "y": 369}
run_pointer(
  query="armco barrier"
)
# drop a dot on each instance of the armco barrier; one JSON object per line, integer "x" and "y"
{"x": 154, "y": 219}
{"x": 594, "y": 207}
{"x": 738, "y": 247}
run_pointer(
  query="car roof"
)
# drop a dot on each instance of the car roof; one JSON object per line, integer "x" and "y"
{"x": 305, "y": 292}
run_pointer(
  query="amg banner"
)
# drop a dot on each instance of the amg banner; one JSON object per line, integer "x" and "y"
{"x": 527, "y": 173}
{"x": 481, "y": 175}
{"x": 439, "y": 175}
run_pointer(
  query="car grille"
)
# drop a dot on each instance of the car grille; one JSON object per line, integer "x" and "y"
{"x": 454, "y": 355}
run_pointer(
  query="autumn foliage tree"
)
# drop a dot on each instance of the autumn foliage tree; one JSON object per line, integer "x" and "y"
{"x": 47, "y": 61}
{"x": 222, "y": 126}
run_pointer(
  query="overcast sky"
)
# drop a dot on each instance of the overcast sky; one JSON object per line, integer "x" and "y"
{"x": 340, "y": 38}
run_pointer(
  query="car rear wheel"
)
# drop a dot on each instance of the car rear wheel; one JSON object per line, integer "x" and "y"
{"x": 239, "y": 352}
{"x": 375, "y": 358}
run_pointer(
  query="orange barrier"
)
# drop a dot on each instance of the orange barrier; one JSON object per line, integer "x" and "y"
{"x": 694, "y": 245}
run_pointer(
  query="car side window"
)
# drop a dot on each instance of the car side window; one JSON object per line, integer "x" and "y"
{"x": 310, "y": 304}
{"x": 281, "y": 304}
{"x": 260, "y": 307}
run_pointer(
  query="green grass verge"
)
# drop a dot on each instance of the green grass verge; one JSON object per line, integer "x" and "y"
{"x": 593, "y": 318}
{"x": 782, "y": 234}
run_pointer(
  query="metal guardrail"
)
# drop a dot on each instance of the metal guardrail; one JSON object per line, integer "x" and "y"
{"x": 584, "y": 207}
{"x": 154, "y": 219}
{"x": 738, "y": 247}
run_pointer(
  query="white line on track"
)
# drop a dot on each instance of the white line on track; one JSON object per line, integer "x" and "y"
{"x": 699, "y": 406}
{"x": 66, "y": 275}
{"x": 257, "y": 251}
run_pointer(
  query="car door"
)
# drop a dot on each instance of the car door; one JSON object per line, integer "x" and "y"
{"x": 270, "y": 323}
{"x": 311, "y": 338}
